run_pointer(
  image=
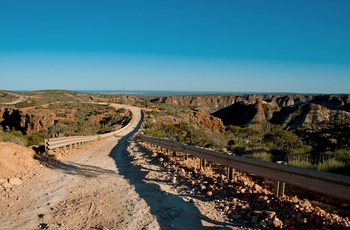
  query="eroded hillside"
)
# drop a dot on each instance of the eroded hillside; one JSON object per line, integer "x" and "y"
{"x": 289, "y": 111}
{"x": 56, "y": 113}
{"x": 304, "y": 130}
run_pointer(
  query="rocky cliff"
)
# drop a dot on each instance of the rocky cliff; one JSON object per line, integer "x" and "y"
{"x": 26, "y": 121}
{"x": 289, "y": 111}
{"x": 33, "y": 120}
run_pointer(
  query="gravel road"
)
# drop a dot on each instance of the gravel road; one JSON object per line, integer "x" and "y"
{"x": 106, "y": 186}
{"x": 20, "y": 98}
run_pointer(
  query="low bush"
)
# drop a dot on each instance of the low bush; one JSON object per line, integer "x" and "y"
{"x": 13, "y": 136}
{"x": 263, "y": 156}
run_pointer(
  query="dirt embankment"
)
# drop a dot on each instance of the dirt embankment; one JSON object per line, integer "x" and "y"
{"x": 16, "y": 163}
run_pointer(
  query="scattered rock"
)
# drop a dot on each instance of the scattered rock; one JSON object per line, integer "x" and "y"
{"x": 257, "y": 187}
{"x": 43, "y": 226}
{"x": 305, "y": 204}
{"x": 295, "y": 199}
{"x": 277, "y": 223}
{"x": 15, "y": 181}
{"x": 209, "y": 194}
{"x": 6, "y": 184}
{"x": 226, "y": 208}
{"x": 270, "y": 214}
{"x": 263, "y": 198}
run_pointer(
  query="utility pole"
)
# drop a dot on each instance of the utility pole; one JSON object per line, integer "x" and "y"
{"x": 125, "y": 94}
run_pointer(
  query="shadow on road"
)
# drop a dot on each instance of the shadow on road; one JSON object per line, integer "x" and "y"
{"x": 70, "y": 167}
{"x": 171, "y": 211}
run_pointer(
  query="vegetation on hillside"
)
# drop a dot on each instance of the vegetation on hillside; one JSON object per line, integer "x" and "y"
{"x": 73, "y": 116}
{"x": 322, "y": 147}
{"x": 5, "y": 97}
{"x": 87, "y": 119}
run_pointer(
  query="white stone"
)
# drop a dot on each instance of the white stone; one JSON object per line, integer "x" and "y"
{"x": 15, "y": 181}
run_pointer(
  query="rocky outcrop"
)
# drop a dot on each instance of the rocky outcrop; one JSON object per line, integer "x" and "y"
{"x": 193, "y": 116}
{"x": 210, "y": 103}
{"x": 25, "y": 120}
{"x": 213, "y": 103}
{"x": 294, "y": 117}
{"x": 209, "y": 121}
{"x": 289, "y": 111}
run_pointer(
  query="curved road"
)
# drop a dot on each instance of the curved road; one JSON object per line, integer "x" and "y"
{"x": 21, "y": 98}
{"x": 108, "y": 184}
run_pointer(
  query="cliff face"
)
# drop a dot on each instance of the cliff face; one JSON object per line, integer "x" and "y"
{"x": 193, "y": 116}
{"x": 33, "y": 120}
{"x": 210, "y": 103}
{"x": 25, "y": 120}
{"x": 289, "y": 111}
{"x": 209, "y": 121}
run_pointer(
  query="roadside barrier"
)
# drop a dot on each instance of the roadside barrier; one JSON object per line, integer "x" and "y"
{"x": 63, "y": 142}
{"x": 326, "y": 183}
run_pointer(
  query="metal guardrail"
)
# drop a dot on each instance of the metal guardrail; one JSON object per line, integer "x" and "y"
{"x": 54, "y": 143}
{"x": 326, "y": 183}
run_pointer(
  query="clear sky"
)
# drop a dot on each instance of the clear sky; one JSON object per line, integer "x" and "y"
{"x": 227, "y": 45}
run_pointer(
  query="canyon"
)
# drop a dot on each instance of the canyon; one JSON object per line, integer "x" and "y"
{"x": 289, "y": 111}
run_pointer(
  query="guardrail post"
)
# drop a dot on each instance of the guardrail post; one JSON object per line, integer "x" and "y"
{"x": 46, "y": 145}
{"x": 185, "y": 156}
{"x": 202, "y": 163}
{"x": 230, "y": 173}
{"x": 280, "y": 186}
{"x": 276, "y": 189}
{"x": 279, "y": 189}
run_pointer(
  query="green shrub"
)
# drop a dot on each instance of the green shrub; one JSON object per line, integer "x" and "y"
{"x": 263, "y": 156}
{"x": 14, "y": 136}
{"x": 38, "y": 139}
{"x": 330, "y": 165}
{"x": 281, "y": 139}
{"x": 301, "y": 161}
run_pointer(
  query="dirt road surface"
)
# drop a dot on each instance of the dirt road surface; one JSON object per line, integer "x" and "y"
{"x": 20, "y": 98}
{"x": 109, "y": 185}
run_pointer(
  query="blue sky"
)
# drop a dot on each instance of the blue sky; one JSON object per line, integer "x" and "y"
{"x": 227, "y": 45}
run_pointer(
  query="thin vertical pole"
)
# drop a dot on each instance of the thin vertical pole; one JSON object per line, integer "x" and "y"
{"x": 230, "y": 173}
{"x": 202, "y": 163}
{"x": 185, "y": 156}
